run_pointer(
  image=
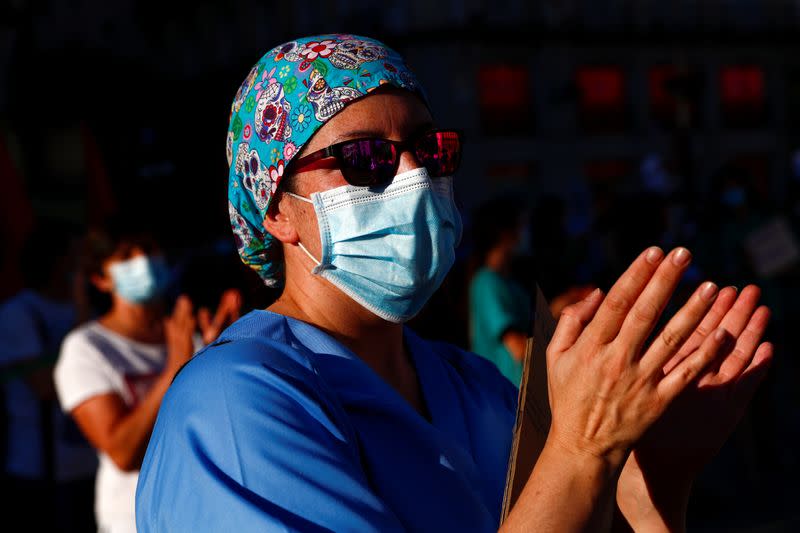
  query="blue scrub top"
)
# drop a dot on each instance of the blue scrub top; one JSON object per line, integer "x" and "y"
{"x": 277, "y": 426}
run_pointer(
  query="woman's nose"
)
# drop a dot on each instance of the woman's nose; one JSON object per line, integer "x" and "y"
{"x": 408, "y": 161}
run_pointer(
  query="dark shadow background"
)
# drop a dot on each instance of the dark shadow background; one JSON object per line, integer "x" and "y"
{"x": 622, "y": 123}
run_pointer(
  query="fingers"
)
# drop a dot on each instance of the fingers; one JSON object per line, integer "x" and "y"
{"x": 183, "y": 314}
{"x": 227, "y": 312}
{"x": 235, "y": 303}
{"x": 228, "y": 309}
{"x": 204, "y": 318}
{"x": 755, "y": 372}
{"x": 654, "y": 298}
{"x": 609, "y": 318}
{"x": 711, "y": 321}
{"x": 687, "y": 370}
{"x": 737, "y": 318}
{"x": 742, "y": 354}
{"x": 679, "y": 328}
{"x": 220, "y": 317}
{"x": 182, "y": 318}
{"x": 183, "y": 307}
{"x": 233, "y": 296}
{"x": 573, "y": 320}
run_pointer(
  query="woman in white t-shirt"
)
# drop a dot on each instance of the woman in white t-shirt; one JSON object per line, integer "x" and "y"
{"x": 113, "y": 372}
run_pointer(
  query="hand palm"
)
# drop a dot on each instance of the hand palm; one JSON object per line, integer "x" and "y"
{"x": 696, "y": 424}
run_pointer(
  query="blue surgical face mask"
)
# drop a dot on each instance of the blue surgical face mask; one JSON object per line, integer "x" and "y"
{"x": 388, "y": 249}
{"x": 140, "y": 279}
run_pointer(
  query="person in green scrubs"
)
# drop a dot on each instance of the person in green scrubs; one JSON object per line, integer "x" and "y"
{"x": 500, "y": 308}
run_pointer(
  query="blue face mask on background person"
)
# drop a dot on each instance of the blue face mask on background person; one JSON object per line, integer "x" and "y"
{"x": 140, "y": 279}
{"x": 388, "y": 249}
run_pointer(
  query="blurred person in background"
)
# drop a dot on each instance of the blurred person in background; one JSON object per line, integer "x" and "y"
{"x": 500, "y": 307}
{"x": 733, "y": 210}
{"x": 500, "y": 316}
{"x": 739, "y": 238}
{"x": 324, "y": 412}
{"x": 113, "y": 371}
{"x": 555, "y": 257}
{"x": 48, "y": 466}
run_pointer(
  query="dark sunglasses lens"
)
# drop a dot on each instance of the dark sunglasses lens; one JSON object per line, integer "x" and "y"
{"x": 440, "y": 152}
{"x": 368, "y": 162}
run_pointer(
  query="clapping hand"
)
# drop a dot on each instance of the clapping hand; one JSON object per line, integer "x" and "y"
{"x": 611, "y": 392}
{"x": 606, "y": 390}
{"x": 179, "y": 328}
{"x": 227, "y": 312}
{"x": 653, "y": 488}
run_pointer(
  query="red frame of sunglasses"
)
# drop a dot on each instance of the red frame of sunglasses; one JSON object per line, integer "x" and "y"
{"x": 320, "y": 158}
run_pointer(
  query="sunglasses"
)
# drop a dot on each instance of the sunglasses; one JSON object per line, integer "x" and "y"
{"x": 372, "y": 161}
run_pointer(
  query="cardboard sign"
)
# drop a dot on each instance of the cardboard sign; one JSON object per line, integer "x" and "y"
{"x": 533, "y": 409}
{"x": 772, "y": 248}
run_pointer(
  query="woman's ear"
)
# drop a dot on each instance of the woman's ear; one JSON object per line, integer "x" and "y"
{"x": 102, "y": 283}
{"x": 279, "y": 221}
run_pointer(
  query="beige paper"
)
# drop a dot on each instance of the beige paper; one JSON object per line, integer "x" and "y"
{"x": 533, "y": 410}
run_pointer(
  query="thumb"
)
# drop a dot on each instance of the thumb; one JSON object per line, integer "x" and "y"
{"x": 236, "y": 305}
{"x": 204, "y": 318}
{"x": 229, "y": 306}
{"x": 574, "y": 319}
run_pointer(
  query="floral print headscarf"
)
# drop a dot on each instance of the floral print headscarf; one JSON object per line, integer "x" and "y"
{"x": 287, "y": 96}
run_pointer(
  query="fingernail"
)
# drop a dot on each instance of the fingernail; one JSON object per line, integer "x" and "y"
{"x": 708, "y": 291}
{"x": 720, "y": 334}
{"x": 592, "y": 296}
{"x": 654, "y": 255}
{"x": 734, "y": 287}
{"x": 681, "y": 257}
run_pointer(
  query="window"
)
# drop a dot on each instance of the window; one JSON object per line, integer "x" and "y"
{"x": 742, "y": 96}
{"x": 674, "y": 93}
{"x": 601, "y": 99}
{"x": 505, "y": 100}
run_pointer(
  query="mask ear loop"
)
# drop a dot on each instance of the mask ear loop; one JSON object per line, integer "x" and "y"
{"x": 303, "y": 198}
{"x": 300, "y": 244}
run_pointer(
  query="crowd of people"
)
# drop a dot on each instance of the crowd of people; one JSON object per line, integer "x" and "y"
{"x": 89, "y": 347}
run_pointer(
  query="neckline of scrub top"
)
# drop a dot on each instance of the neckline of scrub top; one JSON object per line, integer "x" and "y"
{"x": 435, "y": 382}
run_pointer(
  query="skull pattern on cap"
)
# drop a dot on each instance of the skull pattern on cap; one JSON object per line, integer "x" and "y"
{"x": 285, "y": 98}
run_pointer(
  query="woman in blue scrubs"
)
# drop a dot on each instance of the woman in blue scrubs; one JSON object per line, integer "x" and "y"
{"x": 325, "y": 413}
